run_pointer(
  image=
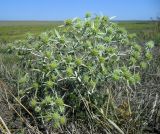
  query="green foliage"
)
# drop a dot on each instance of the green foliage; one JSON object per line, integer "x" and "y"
{"x": 73, "y": 64}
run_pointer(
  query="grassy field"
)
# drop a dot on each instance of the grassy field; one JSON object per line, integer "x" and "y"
{"x": 136, "y": 26}
{"x": 12, "y": 30}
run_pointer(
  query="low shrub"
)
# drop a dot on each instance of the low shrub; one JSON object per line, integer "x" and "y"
{"x": 75, "y": 73}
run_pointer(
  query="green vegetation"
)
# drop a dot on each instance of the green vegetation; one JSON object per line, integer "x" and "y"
{"x": 144, "y": 30}
{"x": 88, "y": 75}
{"x": 15, "y": 30}
{"x": 135, "y": 26}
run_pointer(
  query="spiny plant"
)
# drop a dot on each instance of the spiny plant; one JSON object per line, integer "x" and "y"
{"x": 74, "y": 69}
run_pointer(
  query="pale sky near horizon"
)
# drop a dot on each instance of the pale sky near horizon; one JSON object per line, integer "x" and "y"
{"x": 63, "y": 9}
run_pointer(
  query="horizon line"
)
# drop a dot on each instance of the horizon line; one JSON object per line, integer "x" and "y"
{"x": 111, "y": 20}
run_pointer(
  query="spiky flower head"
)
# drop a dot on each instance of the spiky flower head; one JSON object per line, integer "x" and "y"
{"x": 59, "y": 102}
{"x": 88, "y": 15}
{"x": 69, "y": 71}
{"x": 62, "y": 120}
{"x": 33, "y": 103}
{"x": 49, "y": 84}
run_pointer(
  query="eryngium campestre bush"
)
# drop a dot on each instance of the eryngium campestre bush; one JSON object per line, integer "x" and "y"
{"x": 73, "y": 71}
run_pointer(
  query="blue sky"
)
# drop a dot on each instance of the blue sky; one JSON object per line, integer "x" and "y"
{"x": 63, "y": 9}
